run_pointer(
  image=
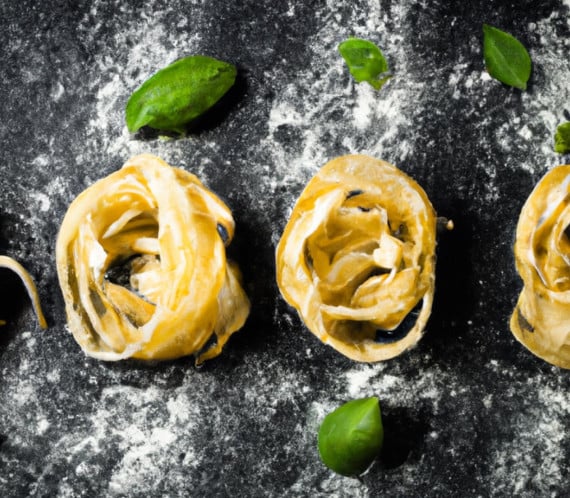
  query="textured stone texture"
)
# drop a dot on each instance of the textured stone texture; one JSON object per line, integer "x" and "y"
{"x": 468, "y": 412}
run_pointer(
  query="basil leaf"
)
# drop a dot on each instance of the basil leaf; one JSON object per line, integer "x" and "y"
{"x": 180, "y": 92}
{"x": 351, "y": 437}
{"x": 365, "y": 61}
{"x": 562, "y": 138}
{"x": 506, "y": 58}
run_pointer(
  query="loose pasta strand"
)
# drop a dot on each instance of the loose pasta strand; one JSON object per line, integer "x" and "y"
{"x": 18, "y": 269}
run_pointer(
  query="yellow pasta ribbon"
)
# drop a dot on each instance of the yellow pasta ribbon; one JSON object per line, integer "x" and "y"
{"x": 357, "y": 258}
{"x": 541, "y": 319}
{"x": 18, "y": 269}
{"x": 142, "y": 265}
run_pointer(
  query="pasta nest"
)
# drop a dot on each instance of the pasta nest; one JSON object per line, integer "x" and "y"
{"x": 141, "y": 261}
{"x": 357, "y": 258}
{"x": 541, "y": 318}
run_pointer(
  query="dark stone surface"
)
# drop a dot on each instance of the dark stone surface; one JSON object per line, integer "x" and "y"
{"x": 468, "y": 412}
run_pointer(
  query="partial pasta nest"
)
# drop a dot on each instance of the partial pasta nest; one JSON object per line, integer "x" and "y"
{"x": 357, "y": 258}
{"x": 541, "y": 319}
{"x": 141, "y": 260}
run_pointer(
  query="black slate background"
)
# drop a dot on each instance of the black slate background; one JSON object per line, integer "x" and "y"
{"x": 468, "y": 412}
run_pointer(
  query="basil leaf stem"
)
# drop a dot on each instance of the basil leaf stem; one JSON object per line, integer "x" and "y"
{"x": 506, "y": 59}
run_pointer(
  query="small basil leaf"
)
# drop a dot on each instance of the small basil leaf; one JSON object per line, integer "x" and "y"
{"x": 365, "y": 61}
{"x": 351, "y": 437}
{"x": 506, "y": 58}
{"x": 180, "y": 92}
{"x": 562, "y": 138}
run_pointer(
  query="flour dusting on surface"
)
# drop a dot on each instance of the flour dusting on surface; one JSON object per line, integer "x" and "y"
{"x": 535, "y": 458}
{"x": 156, "y": 48}
{"x": 328, "y": 114}
{"x": 466, "y": 412}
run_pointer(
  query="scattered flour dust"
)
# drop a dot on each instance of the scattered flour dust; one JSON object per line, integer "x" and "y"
{"x": 535, "y": 459}
{"x": 531, "y": 125}
{"x": 149, "y": 428}
{"x": 372, "y": 380}
{"x": 331, "y": 115}
{"x": 328, "y": 114}
{"x": 530, "y": 463}
{"x": 323, "y": 105}
{"x": 548, "y": 101}
{"x": 147, "y": 43}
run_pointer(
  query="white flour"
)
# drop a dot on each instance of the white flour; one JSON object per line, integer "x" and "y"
{"x": 320, "y": 114}
{"x": 155, "y": 48}
{"x": 324, "y": 103}
{"x": 535, "y": 459}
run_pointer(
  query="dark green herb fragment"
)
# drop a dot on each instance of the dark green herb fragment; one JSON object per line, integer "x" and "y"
{"x": 179, "y": 93}
{"x": 562, "y": 138}
{"x": 365, "y": 61}
{"x": 506, "y": 58}
{"x": 351, "y": 437}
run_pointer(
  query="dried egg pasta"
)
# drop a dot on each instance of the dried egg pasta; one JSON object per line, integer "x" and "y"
{"x": 141, "y": 261}
{"x": 18, "y": 269}
{"x": 357, "y": 258}
{"x": 541, "y": 319}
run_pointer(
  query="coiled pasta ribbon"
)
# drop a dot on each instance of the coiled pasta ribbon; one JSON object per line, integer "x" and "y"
{"x": 541, "y": 319}
{"x": 141, "y": 261}
{"x": 358, "y": 256}
{"x": 18, "y": 269}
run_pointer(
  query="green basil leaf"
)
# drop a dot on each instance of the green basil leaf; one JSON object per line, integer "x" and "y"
{"x": 351, "y": 437}
{"x": 506, "y": 58}
{"x": 365, "y": 61}
{"x": 562, "y": 138}
{"x": 180, "y": 92}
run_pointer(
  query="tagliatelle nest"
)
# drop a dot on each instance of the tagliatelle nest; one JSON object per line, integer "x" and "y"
{"x": 541, "y": 319}
{"x": 357, "y": 258}
{"x": 18, "y": 269}
{"x": 141, "y": 261}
